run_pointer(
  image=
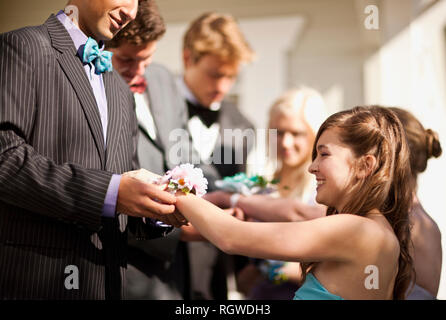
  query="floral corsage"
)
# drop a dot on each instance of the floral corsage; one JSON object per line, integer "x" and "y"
{"x": 185, "y": 178}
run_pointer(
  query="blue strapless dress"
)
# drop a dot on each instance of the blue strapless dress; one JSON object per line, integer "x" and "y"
{"x": 312, "y": 289}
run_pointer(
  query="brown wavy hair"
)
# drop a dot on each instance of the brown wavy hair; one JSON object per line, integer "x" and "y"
{"x": 423, "y": 143}
{"x": 148, "y": 26}
{"x": 377, "y": 131}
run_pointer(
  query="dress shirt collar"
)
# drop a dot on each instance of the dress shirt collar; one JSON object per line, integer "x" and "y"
{"x": 77, "y": 35}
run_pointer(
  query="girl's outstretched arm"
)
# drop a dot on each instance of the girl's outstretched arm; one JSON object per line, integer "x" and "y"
{"x": 336, "y": 237}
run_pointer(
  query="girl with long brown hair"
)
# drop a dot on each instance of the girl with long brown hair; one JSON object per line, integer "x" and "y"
{"x": 361, "y": 163}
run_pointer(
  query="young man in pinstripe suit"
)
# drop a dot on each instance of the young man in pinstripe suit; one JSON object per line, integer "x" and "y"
{"x": 67, "y": 134}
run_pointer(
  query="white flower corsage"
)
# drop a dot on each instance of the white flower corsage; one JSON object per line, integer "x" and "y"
{"x": 185, "y": 178}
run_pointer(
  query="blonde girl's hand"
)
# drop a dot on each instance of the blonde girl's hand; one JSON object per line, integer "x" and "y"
{"x": 235, "y": 212}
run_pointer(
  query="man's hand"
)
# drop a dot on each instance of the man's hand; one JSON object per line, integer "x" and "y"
{"x": 143, "y": 175}
{"x": 138, "y": 197}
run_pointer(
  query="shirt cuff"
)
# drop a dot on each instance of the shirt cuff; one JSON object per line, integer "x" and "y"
{"x": 111, "y": 197}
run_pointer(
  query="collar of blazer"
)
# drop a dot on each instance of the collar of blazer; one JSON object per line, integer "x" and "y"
{"x": 74, "y": 70}
{"x": 60, "y": 38}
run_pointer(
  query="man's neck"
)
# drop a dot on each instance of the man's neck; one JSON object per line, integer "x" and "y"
{"x": 186, "y": 90}
{"x": 72, "y": 12}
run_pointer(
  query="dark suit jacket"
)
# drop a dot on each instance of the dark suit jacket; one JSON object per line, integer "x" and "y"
{"x": 232, "y": 118}
{"x": 162, "y": 263}
{"x": 55, "y": 170}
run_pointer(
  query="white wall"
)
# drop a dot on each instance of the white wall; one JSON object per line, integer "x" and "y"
{"x": 409, "y": 71}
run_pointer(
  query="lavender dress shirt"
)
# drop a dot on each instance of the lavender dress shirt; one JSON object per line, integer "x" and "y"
{"x": 97, "y": 83}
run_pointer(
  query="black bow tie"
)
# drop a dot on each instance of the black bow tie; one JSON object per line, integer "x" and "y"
{"x": 206, "y": 115}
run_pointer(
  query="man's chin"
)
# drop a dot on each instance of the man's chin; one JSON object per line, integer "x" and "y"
{"x": 204, "y": 103}
{"x": 108, "y": 36}
{"x": 210, "y": 102}
{"x": 105, "y": 34}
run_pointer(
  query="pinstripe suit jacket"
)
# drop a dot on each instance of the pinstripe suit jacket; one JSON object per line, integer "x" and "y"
{"x": 55, "y": 170}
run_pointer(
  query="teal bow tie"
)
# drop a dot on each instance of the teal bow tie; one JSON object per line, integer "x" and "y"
{"x": 101, "y": 59}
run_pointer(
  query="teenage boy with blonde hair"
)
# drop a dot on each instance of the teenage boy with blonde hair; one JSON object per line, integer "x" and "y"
{"x": 214, "y": 50}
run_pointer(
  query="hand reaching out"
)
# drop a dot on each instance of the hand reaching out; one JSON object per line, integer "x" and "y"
{"x": 139, "y": 197}
{"x": 236, "y": 212}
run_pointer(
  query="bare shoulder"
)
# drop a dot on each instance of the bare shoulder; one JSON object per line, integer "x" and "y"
{"x": 359, "y": 230}
{"x": 421, "y": 221}
{"x": 349, "y": 221}
{"x": 350, "y": 238}
{"x": 368, "y": 232}
{"x": 423, "y": 227}
{"x": 384, "y": 238}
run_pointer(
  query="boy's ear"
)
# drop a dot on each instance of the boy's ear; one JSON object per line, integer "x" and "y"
{"x": 366, "y": 165}
{"x": 187, "y": 58}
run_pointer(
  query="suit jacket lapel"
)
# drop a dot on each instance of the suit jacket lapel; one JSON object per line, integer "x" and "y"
{"x": 159, "y": 119}
{"x": 74, "y": 70}
{"x": 114, "y": 115}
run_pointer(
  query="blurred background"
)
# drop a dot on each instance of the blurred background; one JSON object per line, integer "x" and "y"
{"x": 355, "y": 52}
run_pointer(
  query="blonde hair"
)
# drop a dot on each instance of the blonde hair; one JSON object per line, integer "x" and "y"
{"x": 308, "y": 104}
{"x": 219, "y": 35}
{"x": 304, "y": 101}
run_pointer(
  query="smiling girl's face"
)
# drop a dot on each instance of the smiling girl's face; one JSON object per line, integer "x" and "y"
{"x": 333, "y": 168}
{"x": 294, "y": 139}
